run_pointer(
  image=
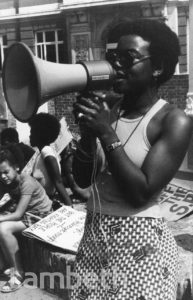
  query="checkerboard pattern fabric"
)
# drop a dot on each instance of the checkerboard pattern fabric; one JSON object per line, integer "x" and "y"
{"x": 125, "y": 258}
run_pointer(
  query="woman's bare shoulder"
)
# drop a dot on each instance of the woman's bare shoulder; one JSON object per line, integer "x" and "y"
{"x": 175, "y": 116}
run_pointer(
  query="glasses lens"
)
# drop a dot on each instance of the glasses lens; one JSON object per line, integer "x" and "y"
{"x": 123, "y": 57}
{"x": 111, "y": 56}
{"x": 129, "y": 59}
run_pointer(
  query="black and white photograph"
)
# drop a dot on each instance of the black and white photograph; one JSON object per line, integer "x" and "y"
{"x": 96, "y": 149}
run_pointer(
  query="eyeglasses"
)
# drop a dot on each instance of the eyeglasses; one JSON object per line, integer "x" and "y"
{"x": 126, "y": 58}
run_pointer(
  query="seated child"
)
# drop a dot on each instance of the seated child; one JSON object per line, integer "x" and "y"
{"x": 31, "y": 204}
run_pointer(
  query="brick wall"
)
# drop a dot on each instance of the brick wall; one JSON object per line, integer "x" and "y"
{"x": 64, "y": 107}
{"x": 175, "y": 90}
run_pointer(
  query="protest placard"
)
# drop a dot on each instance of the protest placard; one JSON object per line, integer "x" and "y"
{"x": 63, "y": 228}
{"x": 64, "y": 137}
{"x": 176, "y": 201}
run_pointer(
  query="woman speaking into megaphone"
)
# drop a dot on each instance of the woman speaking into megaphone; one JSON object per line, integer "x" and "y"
{"x": 127, "y": 154}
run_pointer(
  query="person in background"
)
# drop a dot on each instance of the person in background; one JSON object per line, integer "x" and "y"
{"x": 141, "y": 143}
{"x": 10, "y": 136}
{"x": 44, "y": 130}
{"x": 31, "y": 204}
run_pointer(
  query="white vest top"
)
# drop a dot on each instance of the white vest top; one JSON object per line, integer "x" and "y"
{"x": 106, "y": 196}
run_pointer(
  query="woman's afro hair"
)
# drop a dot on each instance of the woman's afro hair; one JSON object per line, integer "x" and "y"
{"x": 164, "y": 45}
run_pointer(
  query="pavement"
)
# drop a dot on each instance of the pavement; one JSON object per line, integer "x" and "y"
{"x": 27, "y": 292}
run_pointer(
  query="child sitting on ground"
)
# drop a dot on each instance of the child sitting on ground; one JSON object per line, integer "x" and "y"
{"x": 32, "y": 203}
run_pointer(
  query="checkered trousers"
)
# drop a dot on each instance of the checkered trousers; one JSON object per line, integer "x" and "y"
{"x": 125, "y": 258}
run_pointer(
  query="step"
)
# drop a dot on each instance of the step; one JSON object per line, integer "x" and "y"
{"x": 46, "y": 266}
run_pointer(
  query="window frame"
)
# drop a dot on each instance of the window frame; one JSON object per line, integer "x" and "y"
{"x": 43, "y": 45}
{"x": 2, "y": 52}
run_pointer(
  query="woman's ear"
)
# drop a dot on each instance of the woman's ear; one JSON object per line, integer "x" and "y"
{"x": 17, "y": 168}
{"x": 158, "y": 69}
{"x": 157, "y": 73}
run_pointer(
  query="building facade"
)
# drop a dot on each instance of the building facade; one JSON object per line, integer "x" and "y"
{"x": 67, "y": 31}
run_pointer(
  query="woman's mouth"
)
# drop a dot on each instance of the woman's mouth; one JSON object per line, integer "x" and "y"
{"x": 6, "y": 181}
{"x": 120, "y": 75}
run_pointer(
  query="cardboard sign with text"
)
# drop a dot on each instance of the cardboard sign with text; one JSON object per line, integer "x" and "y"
{"x": 176, "y": 202}
{"x": 63, "y": 228}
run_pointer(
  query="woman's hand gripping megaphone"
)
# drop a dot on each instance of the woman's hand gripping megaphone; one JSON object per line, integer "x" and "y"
{"x": 92, "y": 112}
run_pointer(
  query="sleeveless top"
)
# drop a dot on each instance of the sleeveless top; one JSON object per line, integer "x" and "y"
{"x": 106, "y": 196}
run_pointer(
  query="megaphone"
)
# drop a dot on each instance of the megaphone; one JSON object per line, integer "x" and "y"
{"x": 29, "y": 82}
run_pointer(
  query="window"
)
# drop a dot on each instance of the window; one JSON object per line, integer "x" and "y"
{"x": 3, "y": 48}
{"x": 182, "y": 34}
{"x": 3, "y": 106}
{"x": 81, "y": 50}
{"x": 49, "y": 45}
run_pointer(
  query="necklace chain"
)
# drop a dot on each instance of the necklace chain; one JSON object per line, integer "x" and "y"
{"x": 132, "y": 132}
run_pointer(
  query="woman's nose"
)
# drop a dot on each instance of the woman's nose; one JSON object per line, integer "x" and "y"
{"x": 117, "y": 64}
{"x": 3, "y": 176}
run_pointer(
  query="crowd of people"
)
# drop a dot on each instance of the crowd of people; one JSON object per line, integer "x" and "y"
{"x": 26, "y": 198}
{"x": 127, "y": 153}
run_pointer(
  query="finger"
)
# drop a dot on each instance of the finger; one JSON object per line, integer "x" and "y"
{"x": 94, "y": 97}
{"x": 91, "y": 103}
{"x": 80, "y": 115}
{"x": 85, "y": 122}
{"x": 87, "y": 106}
{"x": 105, "y": 106}
{"x": 99, "y": 96}
{"x": 77, "y": 114}
{"x": 85, "y": 110}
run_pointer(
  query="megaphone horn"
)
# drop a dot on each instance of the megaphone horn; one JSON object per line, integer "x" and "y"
{"x": 29, "y": 82}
